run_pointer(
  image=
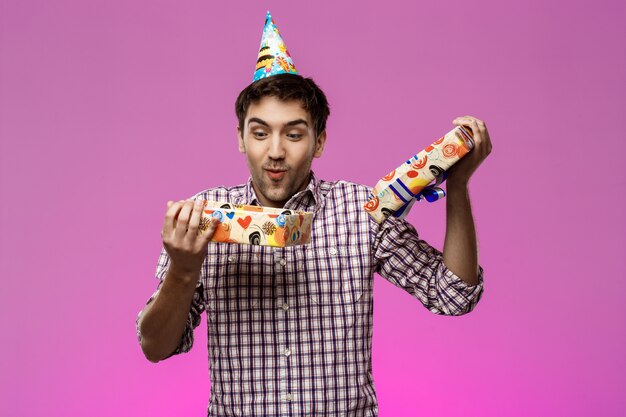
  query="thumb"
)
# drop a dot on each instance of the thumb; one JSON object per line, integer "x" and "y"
{"x": 208, "y": 226}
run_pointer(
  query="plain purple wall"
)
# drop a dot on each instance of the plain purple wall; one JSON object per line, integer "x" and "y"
{"x": 108, "y": 109}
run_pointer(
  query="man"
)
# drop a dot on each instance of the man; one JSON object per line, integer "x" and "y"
{"x": 289, "y": 329}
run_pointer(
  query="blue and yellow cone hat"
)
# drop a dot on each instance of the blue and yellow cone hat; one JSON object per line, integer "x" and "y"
{"x": 273, "y": 55}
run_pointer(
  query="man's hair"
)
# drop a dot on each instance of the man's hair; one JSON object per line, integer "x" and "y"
{"x": 286, "y": 87}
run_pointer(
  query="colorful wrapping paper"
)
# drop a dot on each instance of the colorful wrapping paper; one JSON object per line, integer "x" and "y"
{"x": 257, "y": 225}
{"x": 397, "y": 191}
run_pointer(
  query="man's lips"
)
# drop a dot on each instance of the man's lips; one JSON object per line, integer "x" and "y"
{"x": 275, "y": 174}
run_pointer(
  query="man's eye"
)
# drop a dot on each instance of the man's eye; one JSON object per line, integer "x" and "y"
{"x": 259, "y": 135}
{"x": 294, "y": 135}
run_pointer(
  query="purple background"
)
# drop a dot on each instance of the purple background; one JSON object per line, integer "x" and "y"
{"x": 108, "y": 108}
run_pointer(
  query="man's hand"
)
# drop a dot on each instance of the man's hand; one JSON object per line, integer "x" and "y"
{"x": 460, "y": 173}
{"x": 186, "y": 235}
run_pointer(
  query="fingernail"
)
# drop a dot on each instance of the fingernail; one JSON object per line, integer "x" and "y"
{"x": 198, "y": 202}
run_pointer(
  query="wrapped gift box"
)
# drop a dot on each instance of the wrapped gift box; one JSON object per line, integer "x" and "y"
{"x": 396, "y": 192}
{"x": 257, "y": 225}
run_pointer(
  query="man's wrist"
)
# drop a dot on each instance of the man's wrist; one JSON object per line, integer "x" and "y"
{"x": 184, "y": 276}
{"x": 456, "y": 185}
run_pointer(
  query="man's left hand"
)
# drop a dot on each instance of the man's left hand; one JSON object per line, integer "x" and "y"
{"x": 460, "y": 172}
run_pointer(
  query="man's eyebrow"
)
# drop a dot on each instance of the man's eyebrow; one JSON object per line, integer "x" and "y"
{"x": 297, "y": 122}
{"x": 257, "y": 120}
{"x": 291, "y": 123}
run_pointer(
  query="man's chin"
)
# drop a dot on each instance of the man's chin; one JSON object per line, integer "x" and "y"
{"x": 278, "y": 198}
{"x": 276, "y": 192}
{"x": 275, "y": 195}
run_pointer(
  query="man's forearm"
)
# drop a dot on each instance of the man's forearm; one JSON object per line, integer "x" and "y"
{"x": 164, "y": 319}
{"x": 460, "y": 252}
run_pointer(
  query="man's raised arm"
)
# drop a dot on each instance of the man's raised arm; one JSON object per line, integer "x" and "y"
{"x": 460, "y": 250}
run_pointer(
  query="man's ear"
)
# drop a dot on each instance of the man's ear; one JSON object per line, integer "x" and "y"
{"x": 242, "y": 146}
{"x": 319, "y": 144}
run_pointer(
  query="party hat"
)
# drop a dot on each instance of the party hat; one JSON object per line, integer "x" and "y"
{"x": 273, "y": 55}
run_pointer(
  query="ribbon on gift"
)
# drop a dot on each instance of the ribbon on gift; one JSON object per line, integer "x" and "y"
{"x": 396, "y": 192}
{"x": 431, "y": 194}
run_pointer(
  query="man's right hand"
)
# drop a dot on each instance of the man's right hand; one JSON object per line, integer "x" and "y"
{"x": 186, "y": 236}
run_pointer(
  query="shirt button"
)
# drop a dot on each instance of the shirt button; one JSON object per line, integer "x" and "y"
{"x": 287, "y": 352}
{"x": 283, "y": 262}
{"x": 285, "y": 306}
{"x": 333, "y": 251}
{"x": 231, "y": 258}
{"x": 288, "y": 397}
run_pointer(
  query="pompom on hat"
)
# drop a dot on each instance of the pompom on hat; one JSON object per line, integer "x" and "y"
{"x": 273, "y": 55}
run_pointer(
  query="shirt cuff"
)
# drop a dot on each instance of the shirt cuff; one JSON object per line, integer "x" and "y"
{"x": 463, "y": 297}
{"x": 455, "y": 281}
{"x": 141, "y": 311}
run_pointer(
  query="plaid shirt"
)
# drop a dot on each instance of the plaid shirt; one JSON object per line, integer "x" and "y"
{"x": 290, "y": 329}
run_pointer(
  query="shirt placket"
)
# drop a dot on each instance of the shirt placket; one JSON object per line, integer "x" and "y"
{"x": 283, "y": 302}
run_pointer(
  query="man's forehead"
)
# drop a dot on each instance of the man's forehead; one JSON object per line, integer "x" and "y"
{"x": 273, "y": 111}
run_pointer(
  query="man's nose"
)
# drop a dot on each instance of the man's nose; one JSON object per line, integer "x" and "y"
{"x": 276, "y": 150}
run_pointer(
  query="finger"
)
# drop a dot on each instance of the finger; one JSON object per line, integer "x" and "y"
{"x": 462, "y": 121}
{"x": 482, "y": 127}
{"x": 486, "y": 139}
{"x": 170, "y": 217}
{"x": 194, "y": 220}
{"x": 481, "y": 138}
{"x": 208, "y": 228}
{"x": 470, "y": 123}
{"x": 470, "y": 118}
{"x": 478, "y": 137}
{"x": 488, "y": 146}
{"x": 183, "y": 220}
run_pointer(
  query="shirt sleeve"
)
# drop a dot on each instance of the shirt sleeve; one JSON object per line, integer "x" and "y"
{"x": 410, "y": 263}
{"x": 195, "y": 313}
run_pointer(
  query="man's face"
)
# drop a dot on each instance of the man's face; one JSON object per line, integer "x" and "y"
{"x": 279, "y": 141}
